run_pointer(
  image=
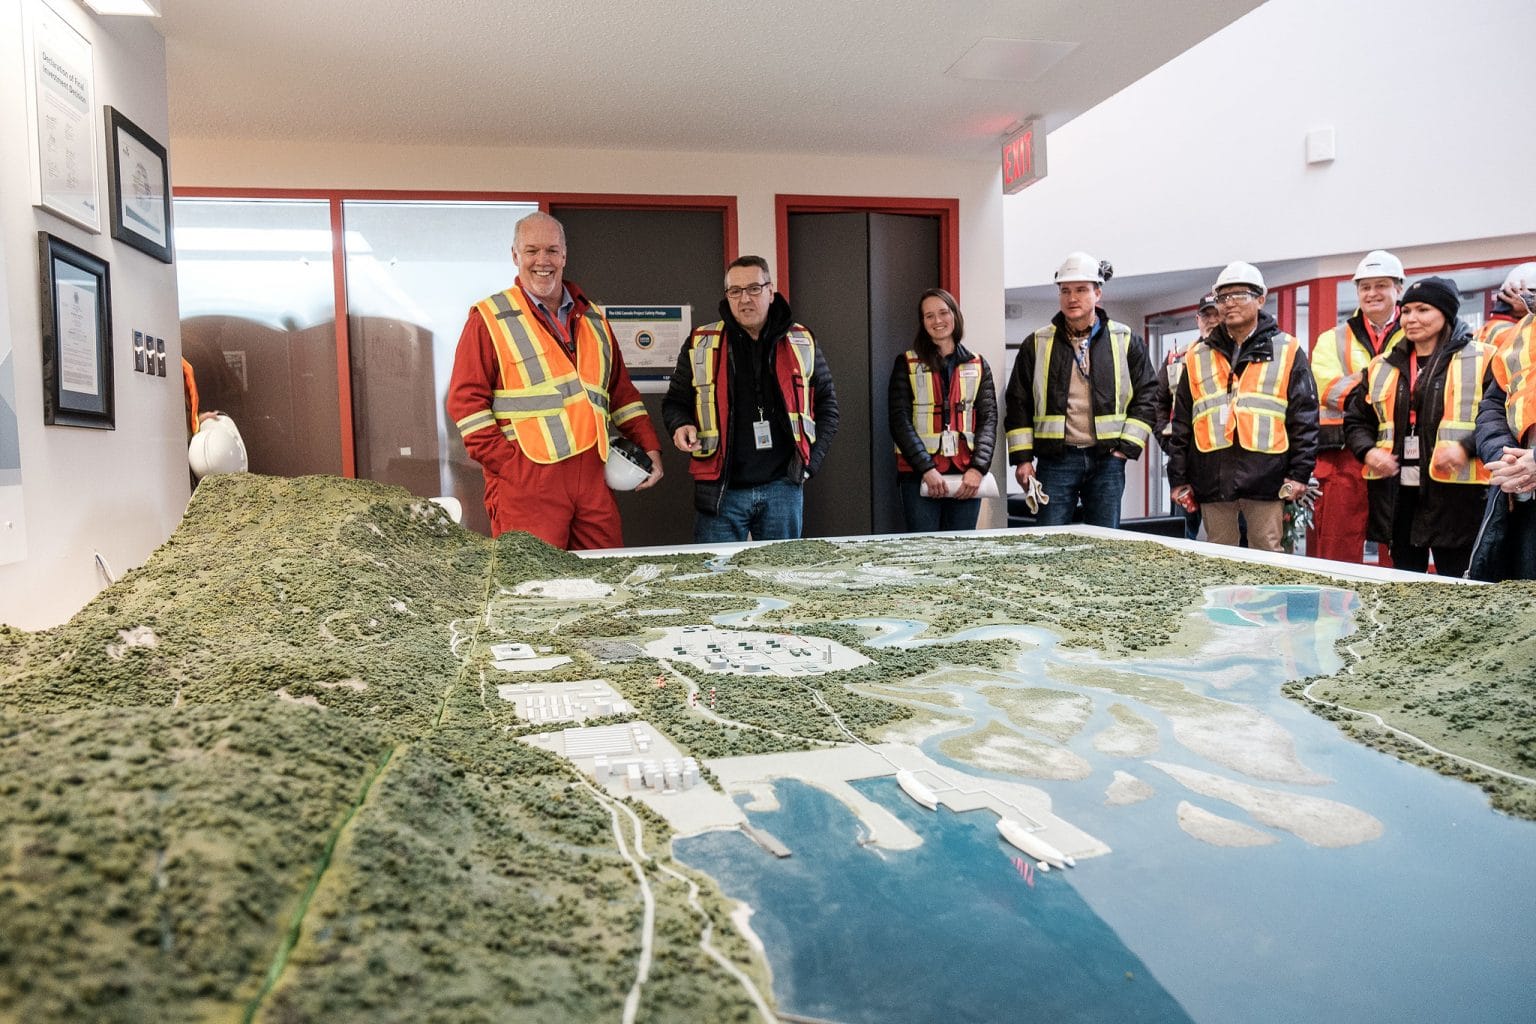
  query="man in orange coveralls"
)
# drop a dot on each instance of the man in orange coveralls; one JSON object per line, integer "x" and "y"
{"x": 538, "y": 383}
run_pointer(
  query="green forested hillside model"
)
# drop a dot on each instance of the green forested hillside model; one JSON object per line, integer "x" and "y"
{"x": 267, "y": 777}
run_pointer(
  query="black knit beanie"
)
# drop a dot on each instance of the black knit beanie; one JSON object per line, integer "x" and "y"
{"x": 1439, "y": 292}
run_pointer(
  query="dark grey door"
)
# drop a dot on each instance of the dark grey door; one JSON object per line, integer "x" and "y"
{"x": 854, "y": 281}
{"x": 639, "y": 257}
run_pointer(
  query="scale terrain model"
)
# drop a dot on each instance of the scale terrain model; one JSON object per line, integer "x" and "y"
{"x": 328, "y": 757}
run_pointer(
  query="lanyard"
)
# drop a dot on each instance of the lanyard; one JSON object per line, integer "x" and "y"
{"x": 1413, "y": 387}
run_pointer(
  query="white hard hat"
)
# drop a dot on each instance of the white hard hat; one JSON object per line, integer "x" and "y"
{"x": 1079, "y": 266}
{"x": 217, "y": 448}
{"x": 1379, "y": 263}
{"x": 627, "y": 466}
{"x": 1240, "y": 273}
{"x": 1521, "y": 278}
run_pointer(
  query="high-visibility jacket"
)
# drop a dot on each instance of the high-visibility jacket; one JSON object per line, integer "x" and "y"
{"x": 1518, "y": 358}
{"x": 1496, "y": 331}
{"x": 1036, "y": 413}
{"x": 1339, "y": 359}
{"x": 1463, "y": 390}
{"x": 1502, "y": 335}
{"x": 928, "y": 409}
{"x": 794, "y": 364}
{"x": 550, "y": 407}
{"x": 189, "y": 384}
{"x": 1251, "y": 410}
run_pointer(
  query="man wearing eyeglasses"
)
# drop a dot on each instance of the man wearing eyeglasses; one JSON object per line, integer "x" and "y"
{"x": 538, "y": 383}
{"x": 752, "y": 403}
{"x": 1339, "y": 360}
{"x": 1244, "y": 437}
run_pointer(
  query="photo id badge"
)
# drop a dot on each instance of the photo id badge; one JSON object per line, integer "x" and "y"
{"x": 762, "y": 434}
{"x": 1411, "y": 448}
{"x": 949, "y": 443}
{"x": 1409, "y": 477}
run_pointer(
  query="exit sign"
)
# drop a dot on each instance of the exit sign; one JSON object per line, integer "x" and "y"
{"x": 1023, "y": 158}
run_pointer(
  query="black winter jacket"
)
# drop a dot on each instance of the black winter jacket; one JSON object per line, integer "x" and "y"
{"x": 1228, "y": 474}
{"x": 677, "y": 409}
{"x": 1446, "y": 515}
{"x": 1020, "y": 399}
{"x": 899, "y": 399}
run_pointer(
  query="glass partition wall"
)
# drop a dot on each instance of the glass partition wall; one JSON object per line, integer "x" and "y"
{"x": 259, "y": 301}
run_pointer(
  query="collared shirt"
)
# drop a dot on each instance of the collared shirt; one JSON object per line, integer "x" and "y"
{"x": 1379, "y": 335}
{"x": 559, "y": 320}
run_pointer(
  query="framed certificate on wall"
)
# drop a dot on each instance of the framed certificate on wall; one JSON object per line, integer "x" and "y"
{"x": 138, "y": 187}
{"x": 61, "y": 105}
{"x": 77, "y": 336}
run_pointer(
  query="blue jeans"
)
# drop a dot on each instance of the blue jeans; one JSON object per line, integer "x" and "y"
{"x": 1099, "y": 480}
{"x": 928, "y": 515}
{"x": 768, "y": 511}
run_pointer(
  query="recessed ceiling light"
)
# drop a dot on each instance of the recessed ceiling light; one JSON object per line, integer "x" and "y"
{"x": 1009, "y": 60}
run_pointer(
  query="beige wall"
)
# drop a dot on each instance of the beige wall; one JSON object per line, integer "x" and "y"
{"x": 85, "y": 492}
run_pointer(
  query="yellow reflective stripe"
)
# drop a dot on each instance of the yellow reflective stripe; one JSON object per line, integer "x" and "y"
{"x": 801, "y": 346}
{"x": 633, "y": 410}
{"x": 702, "y": 361}
{"x": 475, "y": 421}
{"x": 1136, "y": 432}
{"x": 530, "y": 355}
{"x": 923, "y": 402}
{"x": 1045, "y": 337}
{"x": 1052, "y": 428}
{"x": 1020, "y": 439}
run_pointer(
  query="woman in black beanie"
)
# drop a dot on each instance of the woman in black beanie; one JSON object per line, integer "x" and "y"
{"x": 1412, "y": 424}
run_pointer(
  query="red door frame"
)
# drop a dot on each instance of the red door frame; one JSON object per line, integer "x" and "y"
{"x": 947, "y": 210}
{"x": 336, "y": 197}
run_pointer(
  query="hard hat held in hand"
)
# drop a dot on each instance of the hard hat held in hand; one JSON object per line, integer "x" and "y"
{"x": 628, "y": 466}
{"x": 217, "y": 448}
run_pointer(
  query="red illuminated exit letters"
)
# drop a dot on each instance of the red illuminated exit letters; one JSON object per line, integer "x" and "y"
{"x": 1023, "y": 158}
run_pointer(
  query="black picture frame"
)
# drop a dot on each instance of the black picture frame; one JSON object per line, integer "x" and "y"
{"x": 78, "y": 374}
{"x": 136, "y": 168}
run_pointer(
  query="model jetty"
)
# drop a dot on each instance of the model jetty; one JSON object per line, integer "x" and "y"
{"x": 1032, "y": 844}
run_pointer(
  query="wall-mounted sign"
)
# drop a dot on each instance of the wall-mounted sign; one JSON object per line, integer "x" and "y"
{"x": 1023, "y": 158}
{"x": 650, "y": 336}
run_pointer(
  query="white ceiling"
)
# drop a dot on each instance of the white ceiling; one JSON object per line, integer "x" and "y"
{"x": 857, "y": 77}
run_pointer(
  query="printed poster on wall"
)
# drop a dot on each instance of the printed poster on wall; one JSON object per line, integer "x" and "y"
{"x": 13, "y": 527}
{"x": 650, "y": 336}
{"x": 61, "y": 105}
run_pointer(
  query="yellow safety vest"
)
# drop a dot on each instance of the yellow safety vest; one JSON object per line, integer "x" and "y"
{"x": 548, "y": 407}
{"x": 1339, "y": 360}
{"x": 928, "y": 411}
{"x": 1463, "y": 391}
{"x": 1113, "y": 425}
{"x": 1518, "y": 358}
{"x": 711, "y": 406}
{"x": 1253, "y": 412}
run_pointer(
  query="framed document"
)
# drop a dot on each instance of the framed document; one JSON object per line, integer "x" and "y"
{"x": 77, "y": 336}
{"x": 138, "y": 187}
{"x": 61, "y": 105}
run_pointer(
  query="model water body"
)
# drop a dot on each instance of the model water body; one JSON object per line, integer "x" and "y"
{"x": 1390, "y": 928}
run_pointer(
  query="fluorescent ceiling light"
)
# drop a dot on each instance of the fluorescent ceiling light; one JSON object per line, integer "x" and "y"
{"x": 135, "y": 8}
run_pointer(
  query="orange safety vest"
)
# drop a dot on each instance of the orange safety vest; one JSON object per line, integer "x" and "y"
{"x": 1339, "y": 360}
{"x": 1253, "y": 412}
{"x": 1518, "y": 357}
{"x": 1463, "y": 391}
{"x": 189, "y": 382}
{"x": 928, "y": 411}
{"x": 711, "y": 401}
{"x": 548, "y": 407}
